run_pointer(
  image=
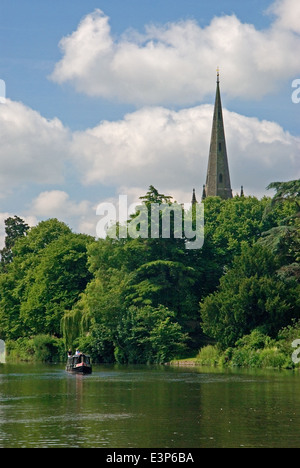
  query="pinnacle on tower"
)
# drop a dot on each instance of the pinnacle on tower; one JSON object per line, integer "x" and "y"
{"x": 218, "y": 178}
{"x": 194, "y": 199}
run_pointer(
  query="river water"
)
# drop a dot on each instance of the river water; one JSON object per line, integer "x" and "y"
{"x": 42, "y": 406}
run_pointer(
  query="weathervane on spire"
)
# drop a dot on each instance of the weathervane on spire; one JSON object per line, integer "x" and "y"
{"x": 218, "y": 75}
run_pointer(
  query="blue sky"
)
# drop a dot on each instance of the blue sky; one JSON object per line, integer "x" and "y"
{"x": 124, "y": 100}
{"x": 30, "y": 33}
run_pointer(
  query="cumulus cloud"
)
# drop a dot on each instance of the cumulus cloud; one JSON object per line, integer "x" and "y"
{"x": 174, "y": 63}
{"x": 33, "y": 149}
{"x": 287, "y": 14}
{"x": 169, "y": 149}
{"x": 151, "y": 146}
{"x": 58, "y": 204}
{"x": 50, "y": 203}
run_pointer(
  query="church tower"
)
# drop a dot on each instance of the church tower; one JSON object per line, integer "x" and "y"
{"x": 218, "y": 178}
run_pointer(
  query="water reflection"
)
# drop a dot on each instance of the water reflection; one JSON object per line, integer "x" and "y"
{"x": 158, "y": 407}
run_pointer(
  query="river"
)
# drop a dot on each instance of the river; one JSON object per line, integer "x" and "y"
{"x": 42, "y": 406}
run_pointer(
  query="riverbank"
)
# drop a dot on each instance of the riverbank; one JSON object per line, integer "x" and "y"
{"x": 184, "y": 362}
{"x": 255, "y": 350}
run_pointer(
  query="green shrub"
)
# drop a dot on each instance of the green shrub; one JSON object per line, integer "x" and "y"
{"x": 287, "y": 335}
{"x": 255, "y": 340}
{"x": 20, "y": 349}
{"x": 243, "y": 357}
{"x": 42, "y": 348}
{"x": 256, "y": 350}
{"x": 48, "y": 348}
{"x": 208, "y": 356}
{"x": 272, "y": 357}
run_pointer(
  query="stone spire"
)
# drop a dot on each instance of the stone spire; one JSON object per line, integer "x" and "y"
{"x": 218, "y": 178}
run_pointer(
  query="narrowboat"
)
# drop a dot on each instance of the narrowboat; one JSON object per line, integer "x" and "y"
{"x": 79, "y": 364}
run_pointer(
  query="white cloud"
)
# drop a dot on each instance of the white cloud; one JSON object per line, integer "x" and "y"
{"x": 33, "y": 149}
{"x": 80, "y": 216}
{"x": 151, "y": 146}
{"x": 154, "y": 145}
{"x": 169, "y": 150}
{"x": 175, "y": 63}
{"x": 287, "y": 13}
{"x": 51, "y": 203}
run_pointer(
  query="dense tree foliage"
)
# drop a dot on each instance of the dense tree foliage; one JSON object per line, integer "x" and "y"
{"x": 136, "y": 299}
{"x": 46, "y": 276}
{"x": 261, "y": 289}
{"x": 250, "y": 295}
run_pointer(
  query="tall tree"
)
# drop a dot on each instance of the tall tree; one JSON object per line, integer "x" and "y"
{"x": 15, "y": 228}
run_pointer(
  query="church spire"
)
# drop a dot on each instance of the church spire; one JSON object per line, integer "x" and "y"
{"x": 218, "y": 178}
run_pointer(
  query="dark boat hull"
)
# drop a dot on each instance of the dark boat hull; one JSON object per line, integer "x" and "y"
{"x": 79, "y": 370}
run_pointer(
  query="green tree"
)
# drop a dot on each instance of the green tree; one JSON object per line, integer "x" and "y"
{"x": 250, "y": 295}
{"x": 167, "y": 283}
{"x": 47, "y": 274}
{"x": 55, "y": 284}
{"x": 284, "y": 239}
{"x": 15, "y": 228}
{"x": 161, "y": 272}
{"x": 286, "y": 191}
{"x": 230, "y": 222}
{"x": 148, "y": 335}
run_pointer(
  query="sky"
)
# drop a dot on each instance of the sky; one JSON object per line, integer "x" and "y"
{"x": 105, "y": 98}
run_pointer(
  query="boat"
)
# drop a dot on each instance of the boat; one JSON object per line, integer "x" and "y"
{"x": 79, "y": 364}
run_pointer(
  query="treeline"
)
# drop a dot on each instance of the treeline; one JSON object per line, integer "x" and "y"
{"x": 137, "y": 300}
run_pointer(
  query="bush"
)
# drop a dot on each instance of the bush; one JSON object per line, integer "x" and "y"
{"x": 48, "y": 348}
{"x": 272, "y": 357}
{"x": 256, "y": 350}
{"x": 245, "y": 357}
{"x": 42, "y": 348}
{"x": 208, "y": 356}
{"x": 20, "y": 349}
{"x": 255, "y": 340}
{"x": 287, "y": 335}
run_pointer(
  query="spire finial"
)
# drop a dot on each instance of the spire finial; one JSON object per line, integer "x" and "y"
{"x": 194, "y": 200}
{"x": 218, "y": 75}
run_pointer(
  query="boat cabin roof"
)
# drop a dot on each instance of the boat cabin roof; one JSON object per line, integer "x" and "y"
{"x": 79, "y": 357}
